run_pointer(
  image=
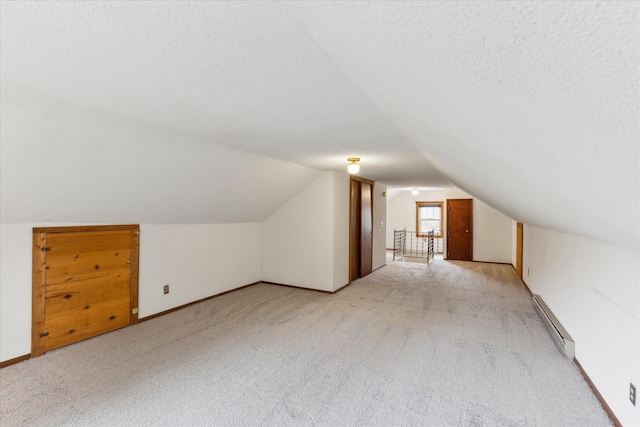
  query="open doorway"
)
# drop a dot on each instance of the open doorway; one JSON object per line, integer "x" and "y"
{"x": 416, "y": 212}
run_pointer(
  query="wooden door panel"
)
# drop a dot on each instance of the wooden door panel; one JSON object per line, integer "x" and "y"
{"x": 70, "y": 255}
{"x": 84, "y": 295}
{"x": 78, "y": 304}
{"x": 101, "y": 274}
{"x": 71, "y": 329}
{"x": 58, "y": 318}
{"x": 459, "y": 229}
{"x": 66, "y": 268}
{"x": 86, "y": 242}
{"x": 86, "y": 282}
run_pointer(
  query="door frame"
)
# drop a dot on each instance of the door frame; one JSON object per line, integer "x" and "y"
{"x": 519, "y": 248}
{"x": 355, "y": 238}
{"x": 38, "y": 276}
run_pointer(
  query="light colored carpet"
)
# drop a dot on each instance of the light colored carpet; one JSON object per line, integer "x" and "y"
{"x": 452, "y": 343}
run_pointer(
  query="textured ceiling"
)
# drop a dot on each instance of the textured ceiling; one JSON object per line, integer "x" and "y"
{"x": 240, "y": 74}
{"x": 530, "y": 106}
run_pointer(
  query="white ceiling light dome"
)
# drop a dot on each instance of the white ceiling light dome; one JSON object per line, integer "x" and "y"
{"x": 353, "y": 167}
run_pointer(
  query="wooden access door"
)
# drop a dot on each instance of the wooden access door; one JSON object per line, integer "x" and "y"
{"x": 85, "y": 283}
{"x": 460, "y": 229}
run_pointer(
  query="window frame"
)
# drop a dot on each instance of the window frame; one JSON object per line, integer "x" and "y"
{"x": 441, "y": 205}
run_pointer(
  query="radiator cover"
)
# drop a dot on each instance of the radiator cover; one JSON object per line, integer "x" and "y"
{"x": 557, "y": 331}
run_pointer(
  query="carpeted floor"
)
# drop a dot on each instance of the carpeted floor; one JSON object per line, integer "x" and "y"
{"x": 451, "y": 343}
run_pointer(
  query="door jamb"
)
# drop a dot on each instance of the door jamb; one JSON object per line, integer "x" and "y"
{"x": 519, "y": 248}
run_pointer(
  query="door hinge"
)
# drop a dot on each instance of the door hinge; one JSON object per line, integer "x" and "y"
{"x": 134, "y": 311}
{"x": 44, "y": 334}
{"x": 45, "y": 249}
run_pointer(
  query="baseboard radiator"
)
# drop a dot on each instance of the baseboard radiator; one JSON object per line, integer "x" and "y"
{"x": 560, "y": 334}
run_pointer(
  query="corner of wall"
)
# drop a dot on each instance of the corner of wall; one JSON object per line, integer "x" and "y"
{"x": 297, "y": 250}
{"x": 340, "y": 230}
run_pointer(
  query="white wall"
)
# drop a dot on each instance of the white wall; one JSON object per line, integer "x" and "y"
{"x": 298, "y": 238}
{"x": 197, "y": 261}
{"x": 305, "y": 243}
{"x": 592, "y": 288}
{"x": 379, "y": 255}
{"x": 15, "y": 290}
{"x": 492, "y": 230}
{"x": 341, "y": 187}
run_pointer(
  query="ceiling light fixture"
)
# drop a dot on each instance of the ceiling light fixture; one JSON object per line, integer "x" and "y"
{"x": 354, "y": 167}
{"x": 414, "y": 191}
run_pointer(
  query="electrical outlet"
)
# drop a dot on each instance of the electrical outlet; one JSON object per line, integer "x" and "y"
{"x": 527, "y": 271}
{"x": 166, "y": 289}
{"x": 632, "y": 393}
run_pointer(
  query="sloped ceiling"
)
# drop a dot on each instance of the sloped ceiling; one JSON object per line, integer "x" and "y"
{"x": 65, "y": 164}
{"x": 531, "y": 107}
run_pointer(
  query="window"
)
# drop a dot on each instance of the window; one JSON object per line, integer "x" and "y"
{"x": 429, "y": 217}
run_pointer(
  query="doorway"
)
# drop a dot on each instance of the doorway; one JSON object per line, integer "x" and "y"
{"x": 85, "y": 283}
{"x": 460, "y": 229}
{"x": 360, "y": 227}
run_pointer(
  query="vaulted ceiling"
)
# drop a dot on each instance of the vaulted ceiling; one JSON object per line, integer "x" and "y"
{"x": 531, "y": 107}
